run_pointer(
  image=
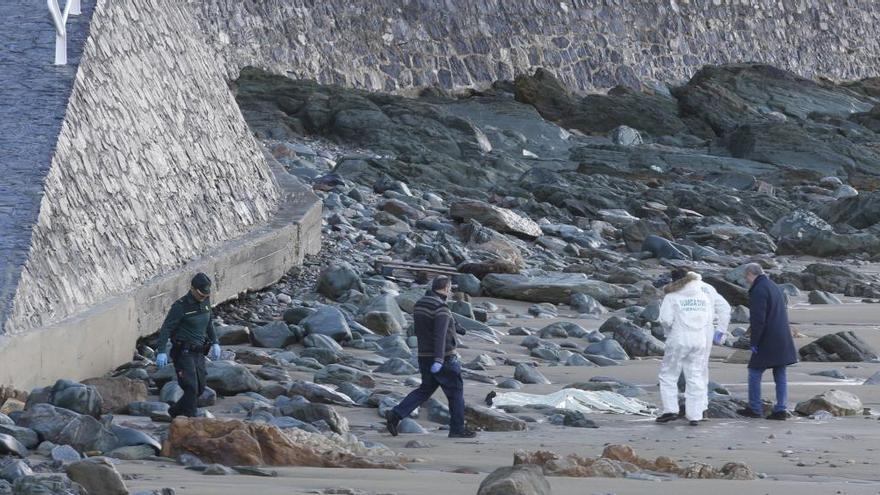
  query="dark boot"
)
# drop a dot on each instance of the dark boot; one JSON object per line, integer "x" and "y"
{"x": 778, "y": 415}
{"x": 391, "y": 422}
{"x": 747, "y": 412}
{"x": 465, "y": 433}
{"x": 667, "y": 417}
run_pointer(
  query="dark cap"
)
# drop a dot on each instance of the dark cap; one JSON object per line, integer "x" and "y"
{"x": 202, "y": 283}
{"x": 440, "y": 283}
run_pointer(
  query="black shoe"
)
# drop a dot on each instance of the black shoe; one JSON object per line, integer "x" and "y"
{"x": 667, "y": 417}
{"x": 694, "y": 422}
{"x": 778, "y": 415}
{"x": 749, "y": 413}
{"x": 391, "y": 422}
{"x": 465, "y": 433}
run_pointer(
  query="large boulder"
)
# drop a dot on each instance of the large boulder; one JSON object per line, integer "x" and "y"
{"x": 311, "y": 413}
{"x": 734, "y": 238}
{"x": 229, "y": 378}
{"x": 585, "y": 304}
{"x": 838, "y": 347}
{"x": 803, "y": 232}
{"x": 318, "y": 393}
{"x": 117, "y": 393}
{"x": 26, "y": 436}
{"x": 130, "y": 437}
{"x": 77, "y": 397}
{"x": 233, "y": 334}
{"x": 40, "y": 484}
{"x": 9, "y": 445}
{"x": 860, "y": 211}
{"x": 523, "y": 479}
{"x": 397, "y": 366}
{"x": 98, "y": 476}
{"x": 822, "y": 297}
{"x": 837, "y": 402}
{"x": 664, "y": 248}
{"x": 654, "y": 113}
{"x": 529, "y": 374}
{"x": 488, "y": 419}
{"x": 86, "y": 434}
{"x": 328, "y": 321}
{"x": 634, "y": 234}
{"x": 338, "y": 374}
{"x": 609, "y": 348}
{"x": 383, "y": 315}
{"x": 275, "y": 335}
{"x": 552, "y": 287}
{"x": 47, "y": 420}
{"x": 337, "y": 279}
{"x": 500, "y": 219}
{"x": 725, "y": 96}
{"x": 12, "y": 469}
{"x": 832, "y": 278}
{"x": 635, "y": 340}
{"x": 797, "y": 228}
{"x": 237, "y": 443}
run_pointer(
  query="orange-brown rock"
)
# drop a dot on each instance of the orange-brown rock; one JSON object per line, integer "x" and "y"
{"x": 237, "y": 443}
{"x": 11, "y": 393}
{"x": 11, "y": 405}
{"x": 618, "y": 460}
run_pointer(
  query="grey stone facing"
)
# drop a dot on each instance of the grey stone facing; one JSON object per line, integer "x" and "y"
{"x": 589, "y": 44}
{"x": 33, "y": 99}
{"x": 153, "y": 167}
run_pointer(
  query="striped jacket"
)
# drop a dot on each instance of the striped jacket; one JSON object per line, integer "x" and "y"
{"x": 434, "y": 326}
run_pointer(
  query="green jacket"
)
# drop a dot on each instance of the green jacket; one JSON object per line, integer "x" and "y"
{"x": 188, "y": 321}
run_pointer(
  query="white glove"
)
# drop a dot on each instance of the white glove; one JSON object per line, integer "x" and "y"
{"x": 162, "y": 360}
{"x": 215, "y": 352}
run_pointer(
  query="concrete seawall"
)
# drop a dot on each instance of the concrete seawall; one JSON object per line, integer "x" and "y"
{"x": 154, "y": 175}
{"x": 95, "y": 341}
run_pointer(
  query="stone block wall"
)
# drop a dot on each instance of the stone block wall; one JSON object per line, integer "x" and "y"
{"x": 33, "y": 97}
{"x": 153, "y": 167}
{"x": 590, "y": 44}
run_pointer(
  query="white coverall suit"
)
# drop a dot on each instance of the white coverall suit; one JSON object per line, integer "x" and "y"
{"x": 692, "y": 311}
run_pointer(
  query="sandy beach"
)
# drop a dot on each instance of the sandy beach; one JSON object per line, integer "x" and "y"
{"x": 805, "y": 456}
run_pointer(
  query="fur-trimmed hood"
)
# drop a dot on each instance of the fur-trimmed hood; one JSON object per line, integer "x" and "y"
{"x": 681, "y": 283}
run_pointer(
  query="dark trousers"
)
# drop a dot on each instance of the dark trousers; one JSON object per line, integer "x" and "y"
{"x": 449, "y": 379}
{"x": 781, "y": 380}
{"x": 189, "y": 365}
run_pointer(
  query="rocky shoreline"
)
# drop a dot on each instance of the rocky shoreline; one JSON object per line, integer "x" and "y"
{"x": 556, "y": 212}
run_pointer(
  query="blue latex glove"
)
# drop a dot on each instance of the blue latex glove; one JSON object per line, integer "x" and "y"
{"x": 754, "y": 349}
{"x": 215, "y": 352}
{"x": 436, "y": 367}
{"x": 718, "y": 338}
{"x": 162, "y": 360}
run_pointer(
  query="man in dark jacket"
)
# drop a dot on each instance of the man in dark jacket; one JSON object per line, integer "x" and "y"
{"x": 190, "y": 327}
{"x": 435, "y": 329}
{"x": 771, "y": 342}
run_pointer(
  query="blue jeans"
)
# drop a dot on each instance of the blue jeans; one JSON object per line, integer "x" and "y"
{"x": 449, "y": 379}
{"x": 779, "y": 377}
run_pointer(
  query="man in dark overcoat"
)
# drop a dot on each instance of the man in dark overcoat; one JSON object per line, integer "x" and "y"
{"x": 771, "y": 342}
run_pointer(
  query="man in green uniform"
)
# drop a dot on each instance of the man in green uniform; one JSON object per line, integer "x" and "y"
{"x": 191, "y": 329}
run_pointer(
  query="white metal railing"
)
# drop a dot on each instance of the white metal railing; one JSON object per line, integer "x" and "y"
{"x": 60, "y": 20}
